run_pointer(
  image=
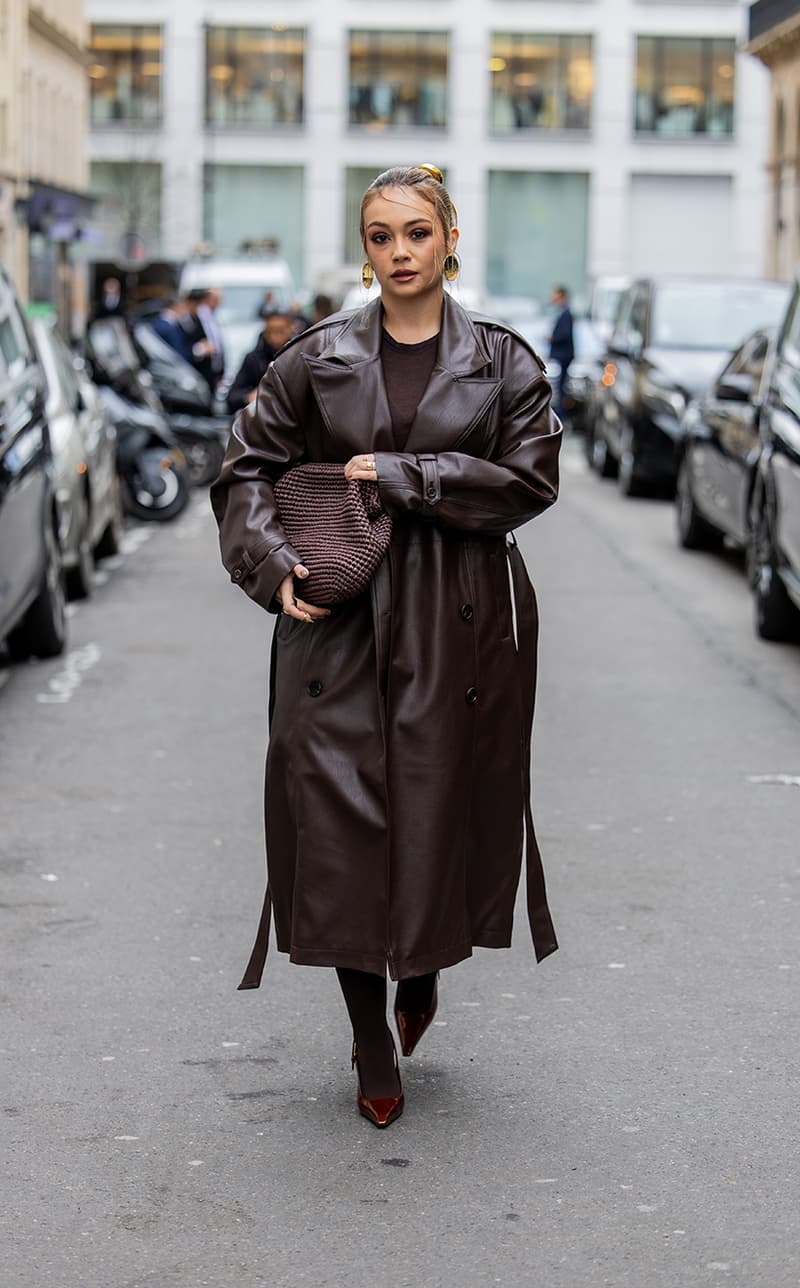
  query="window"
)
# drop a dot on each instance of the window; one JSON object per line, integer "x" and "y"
{"x": 128, "y": 215}
{"x": 255, "y": 203}
{"x": 125, "y": 75}
{"x": 398, "y": 78}
{"x": 685, "y": 86}
{"x": 254, "y": 76}
{"x": 539, "y": 222}
{"x": 541, "y": 82}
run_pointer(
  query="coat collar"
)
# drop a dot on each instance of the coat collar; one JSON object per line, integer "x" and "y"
{"x": 347, "y": 379}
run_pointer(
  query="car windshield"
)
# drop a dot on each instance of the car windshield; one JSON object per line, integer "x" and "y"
{"x": 605, "y": 305}
{"x": 245, "y": 301}
{"x": 713, "y": 315}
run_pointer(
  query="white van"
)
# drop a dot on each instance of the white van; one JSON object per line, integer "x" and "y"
{"x": 249, "y": 286}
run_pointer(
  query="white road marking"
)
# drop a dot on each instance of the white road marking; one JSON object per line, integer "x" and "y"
{"x": 64, "y": 685}
{"x": 779, "y": 780}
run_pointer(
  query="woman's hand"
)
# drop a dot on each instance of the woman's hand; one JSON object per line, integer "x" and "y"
{"x": 294, "y": 607}
{"x": 361, "y": 467}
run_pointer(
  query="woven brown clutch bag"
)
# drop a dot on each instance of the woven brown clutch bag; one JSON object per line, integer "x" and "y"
{"x": 338, "y": 527}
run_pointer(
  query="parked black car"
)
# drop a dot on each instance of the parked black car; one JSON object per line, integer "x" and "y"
{"x": 672, "y": 336}
{"x": 775, "y": 510}
{"x": 32, "y": 617}
{"x": 720, "y": 451}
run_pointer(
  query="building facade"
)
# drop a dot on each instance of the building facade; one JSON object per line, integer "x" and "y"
{"x": 774, "y": 37}
{"x": 578, "y": 136}
{"x": 44, "y": 168}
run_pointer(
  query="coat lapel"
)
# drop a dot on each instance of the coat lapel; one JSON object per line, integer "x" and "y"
{"x": 347, "y": 379}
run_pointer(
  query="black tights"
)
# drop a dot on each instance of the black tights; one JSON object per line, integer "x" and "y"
{"x": 365, "y": 999}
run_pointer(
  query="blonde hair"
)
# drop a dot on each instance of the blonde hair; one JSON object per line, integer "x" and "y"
{"x": 428, "y": 180}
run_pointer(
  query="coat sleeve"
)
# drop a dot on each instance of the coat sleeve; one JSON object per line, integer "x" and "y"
{"x": 493, "y": 495}
{"x": 266, "y": 440}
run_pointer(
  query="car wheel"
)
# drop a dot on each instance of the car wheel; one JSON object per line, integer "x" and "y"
{"x": 694, "y": 533}
{"x": 110, "y": 541}
{"x": 204, "y": 457}
{"x": 777, "y": 618}
{"x": 628, "y": 480}
{"x": 80, "y": 578}
{"x": 602, "y": 460}
{"x": 43, "y": 631}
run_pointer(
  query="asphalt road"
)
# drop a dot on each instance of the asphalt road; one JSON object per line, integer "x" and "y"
{"x": 625, "y": 1114}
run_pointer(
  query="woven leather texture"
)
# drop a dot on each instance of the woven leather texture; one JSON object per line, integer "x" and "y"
{"x": 338, "y": 527}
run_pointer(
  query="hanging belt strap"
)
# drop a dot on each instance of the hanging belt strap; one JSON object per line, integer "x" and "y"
{"x": 255, "y": 966}
{"x": 542, "y": 931}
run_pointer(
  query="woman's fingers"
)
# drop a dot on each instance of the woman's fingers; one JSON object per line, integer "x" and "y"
{"x": 312, "y": 610}
{"x": 362, "y": 466}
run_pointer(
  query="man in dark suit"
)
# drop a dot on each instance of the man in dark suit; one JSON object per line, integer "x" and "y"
{"x": 203, "y": 349}
{"x": 562, "y": 344}
{"x": 278, "y": 328}
{"x": 168, "y": 326}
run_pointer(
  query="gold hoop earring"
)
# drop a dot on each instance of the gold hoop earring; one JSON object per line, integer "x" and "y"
{"x": 367, "y": 275}
{"x": 451, "y": 267}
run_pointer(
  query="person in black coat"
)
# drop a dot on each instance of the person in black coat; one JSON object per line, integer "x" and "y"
{"x": 202, "y": 348}
{"x": 278, "y": 329}
{"x": 562, "y": 344}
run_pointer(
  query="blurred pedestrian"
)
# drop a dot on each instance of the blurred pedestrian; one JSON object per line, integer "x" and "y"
{"x": 398, "y": 772}
{"x": 278, "y": 329}
{"x": 322, "y": 306}
{"x": 562, "y": 345}
{"x": 207, "y": 313}
{"x": 168, "y": 326}
{"x": 202, "y": 346}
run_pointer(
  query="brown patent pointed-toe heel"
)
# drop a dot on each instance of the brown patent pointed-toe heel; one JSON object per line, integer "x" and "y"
{"x": 386, "y": 1109}
{"x": 412, "y": 1024}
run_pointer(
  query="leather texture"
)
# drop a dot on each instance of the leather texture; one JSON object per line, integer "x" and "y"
{"x": 398, "y": 771}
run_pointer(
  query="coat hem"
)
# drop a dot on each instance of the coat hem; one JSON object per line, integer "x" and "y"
{"x": 377, "y": 963}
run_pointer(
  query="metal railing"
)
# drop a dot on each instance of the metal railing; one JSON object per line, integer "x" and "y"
{"x": 766, "y": 14}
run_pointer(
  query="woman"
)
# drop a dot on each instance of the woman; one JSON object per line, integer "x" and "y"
{"x": 398, "y": 769}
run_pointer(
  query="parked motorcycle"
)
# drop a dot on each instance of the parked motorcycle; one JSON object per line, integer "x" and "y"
{"x": 153, "y": 470}
{"x": 188, "y": 403}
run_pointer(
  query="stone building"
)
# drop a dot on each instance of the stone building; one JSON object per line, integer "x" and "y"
{"x": 44, "y": 169}
{"x": 578, "y": 136}
{"x": 775, "y": 39}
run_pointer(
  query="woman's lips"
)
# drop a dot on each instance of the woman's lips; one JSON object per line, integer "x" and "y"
{"x": 404, "y": 276}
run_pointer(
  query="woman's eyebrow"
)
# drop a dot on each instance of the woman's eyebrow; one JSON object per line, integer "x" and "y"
{"x": 377, "y": 223}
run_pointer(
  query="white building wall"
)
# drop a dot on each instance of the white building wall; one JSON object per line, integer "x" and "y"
{"x": 326, "y": 146}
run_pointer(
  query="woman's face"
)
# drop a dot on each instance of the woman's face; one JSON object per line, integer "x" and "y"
{"x": 405, "y": 243}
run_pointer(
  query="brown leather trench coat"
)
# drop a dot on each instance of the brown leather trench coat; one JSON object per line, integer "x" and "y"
{"x": 397, "y": 780}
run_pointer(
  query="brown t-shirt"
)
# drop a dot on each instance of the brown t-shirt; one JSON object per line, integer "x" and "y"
{"x": 407, "y": 368}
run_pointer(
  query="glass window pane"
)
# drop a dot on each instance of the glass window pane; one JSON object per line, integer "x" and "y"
{"x": 125, "y": 74}
{"x": 254, "y": 76}
{"x": 255, "y": 204}
{"x": 398, "y": 78}
{"x": 128, "y": 217}
{"x": 541, "y": 82}
{"x": 684, "y": 86}
{"x": 539, "y": 223}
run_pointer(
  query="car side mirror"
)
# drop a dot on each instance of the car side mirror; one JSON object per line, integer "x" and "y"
{"x": 736, "y": 387}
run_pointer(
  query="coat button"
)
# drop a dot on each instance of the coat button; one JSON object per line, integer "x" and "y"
{"x": 431, "y": 489}
{"x": 237, "y": 574}
{"x": 467, "y": 612}
{"x": 472, "y": 696}
{"x": 315, "y": 688}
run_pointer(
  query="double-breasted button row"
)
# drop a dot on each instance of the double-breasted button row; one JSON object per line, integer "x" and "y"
{"x": 315, "y": 688}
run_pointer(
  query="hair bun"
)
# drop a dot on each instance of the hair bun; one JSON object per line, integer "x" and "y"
{"x": 432, "y": 170}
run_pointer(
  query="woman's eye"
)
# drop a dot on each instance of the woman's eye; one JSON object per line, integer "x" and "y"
{"x": 420, "y": 233}
{"x": 378, "y": 239}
